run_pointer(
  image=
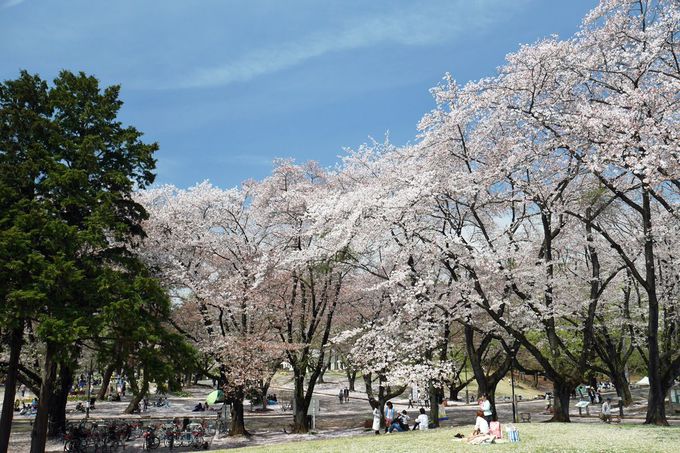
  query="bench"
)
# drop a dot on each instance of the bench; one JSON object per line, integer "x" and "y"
{"x": 525, "y": 417}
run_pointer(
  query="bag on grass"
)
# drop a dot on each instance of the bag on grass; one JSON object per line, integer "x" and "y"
{"x": 495, "y": 429}
{"x": 513, "y": 433}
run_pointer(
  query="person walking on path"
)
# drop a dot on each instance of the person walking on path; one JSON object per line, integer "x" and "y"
{"x": 345, "y": 393}
{"x": 341, "y": 395}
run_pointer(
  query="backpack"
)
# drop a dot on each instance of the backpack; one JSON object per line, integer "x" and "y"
{"x": 495, "y": 429}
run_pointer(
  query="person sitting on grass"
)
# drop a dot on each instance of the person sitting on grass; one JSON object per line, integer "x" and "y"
{"x": 481, "y": 434}
{"x": 481, "y": 425}
{"x": 404, "y": 419}
{"x": 198, "y": 408}
{"x": 395, "y": 426}
{"x": 422, "y": 422}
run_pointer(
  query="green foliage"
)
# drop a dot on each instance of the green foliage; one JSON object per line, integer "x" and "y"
{"x": 68, "y": 222}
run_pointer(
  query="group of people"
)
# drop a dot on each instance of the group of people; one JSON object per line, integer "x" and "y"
{"x": 343, "y": 395}
{"x": 26, "y": 409}
{"x": 399, "y": 422}
{"x": 200, "y": 407}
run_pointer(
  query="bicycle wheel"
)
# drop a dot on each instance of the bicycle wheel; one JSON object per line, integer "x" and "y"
{"x": 197, "y": 441}
{"x": 72, "y": 445}
{"x": 154, "y": 443}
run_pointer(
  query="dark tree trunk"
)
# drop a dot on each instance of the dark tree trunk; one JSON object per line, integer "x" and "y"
{"x": 15, "y": 342}
{"x": 300, "y": 422}
{"x": 39, "y": 432}
{"x": 561, "y": 396}
{"x": 453, "y": 392}
{"x": 106, "y": 380}
{"x": 622, "y": 386}
{"x": 58, "y": 400}
{"x": 433, "y": 394}
{"x": 656, "y": 409}
{"x": 238, "y": 426}
{"x": 324, "y": 368}
{"x": 385, "y": 393}
{"x": 491, "y": 392}
{"x": 264, "y": 389}
{"x": 138, "y": 392}
{"x": 351, "y": 379}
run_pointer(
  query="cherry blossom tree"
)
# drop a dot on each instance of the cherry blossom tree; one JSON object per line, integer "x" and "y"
{"x": 205, "y": 245}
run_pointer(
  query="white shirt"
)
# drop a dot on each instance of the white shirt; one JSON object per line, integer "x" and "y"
{"x": 606, "y": 408}
{"x": 423, "y": 421}
{"x": 482, "y": 425}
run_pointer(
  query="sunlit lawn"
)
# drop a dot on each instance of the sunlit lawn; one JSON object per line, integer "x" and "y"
{"x": 534, "y": 437}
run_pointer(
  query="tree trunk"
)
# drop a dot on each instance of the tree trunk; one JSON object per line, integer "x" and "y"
{"x": 622, "y": 386}
{"x": 378, "y": 402}
{"x": 238, "y": 427}
{"x": 15, "y": 342}
{"x": 453, "y": 392}
{"x": 656, "y": 409}
{"x": 491, "y": 394}
{"x": 106, "y": 380}
{"x": 433, "y": 394}
{"x": 300, "y": 422}
{"x": 39, "y": 432}
{"x": 351, "y": 378}
{"x": 561, "y": 397}
{"x": 58, "y": 400}
{"x": 264, "y": 389}
{"x": 323, "y": 372}
{"x": 137, "y": 392}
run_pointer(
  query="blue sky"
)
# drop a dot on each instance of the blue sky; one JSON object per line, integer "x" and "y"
{"x": 227, "y": 86}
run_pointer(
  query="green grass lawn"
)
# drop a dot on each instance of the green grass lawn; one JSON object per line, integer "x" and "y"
{"x": 535, "y": 437}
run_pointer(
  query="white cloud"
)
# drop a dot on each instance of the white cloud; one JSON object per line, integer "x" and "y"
{"x": 412, "y": 26}
{"x": 10, "y": 3}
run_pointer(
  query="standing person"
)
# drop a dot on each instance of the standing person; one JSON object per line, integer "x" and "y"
{"x": 485, "y": 407}
{"x": 22, "y": 389}
{"x": 346, "y": 394}
{"x": 591, "y": 394}
{"x": 606, "y": 414}
{"x": 390, "y": 414}
{"x": 598, "y": 397}
{"x": 376, "y": 419}
{"x": 422, "y": 422}
{"x": 341, "y": 395}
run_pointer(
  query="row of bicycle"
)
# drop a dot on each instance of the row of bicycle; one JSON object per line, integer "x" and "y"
{"x": 112, "y": 435}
